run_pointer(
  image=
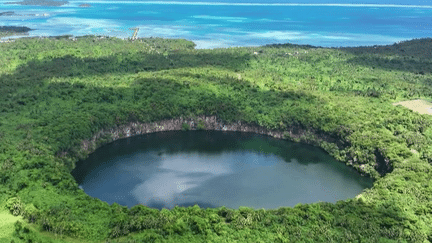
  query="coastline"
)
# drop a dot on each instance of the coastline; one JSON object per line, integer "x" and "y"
{"x": 70, "y": 37}
{"x": 12, "y": 38}
{"x": 204, "y": 35}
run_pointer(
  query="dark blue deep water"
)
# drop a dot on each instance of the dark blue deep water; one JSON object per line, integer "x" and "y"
{"x": 214, "y": 24}
{"x": 214, "y": 169}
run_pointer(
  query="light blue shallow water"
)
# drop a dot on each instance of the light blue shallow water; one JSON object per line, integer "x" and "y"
{"x": 214, "y": 25}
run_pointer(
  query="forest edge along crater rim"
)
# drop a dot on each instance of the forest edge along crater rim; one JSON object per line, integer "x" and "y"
{"x": 296, "y": 133}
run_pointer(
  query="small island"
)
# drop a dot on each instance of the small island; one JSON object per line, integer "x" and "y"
{"x": 11, "y": 13}
{"x": 8, "y": 13}
{"x": 41, "y": 3}
{"x": 85, "y": 5}
{"x": 13, "y": 30}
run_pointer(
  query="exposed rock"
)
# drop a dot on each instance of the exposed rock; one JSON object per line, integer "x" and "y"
{"x": 210, "y": 122}
{"x": 295, "y": 133}
{"x": 382, "y": 165}
{"x": 85, "y": 5}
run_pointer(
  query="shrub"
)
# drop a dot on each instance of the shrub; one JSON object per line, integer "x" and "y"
{"x": 198, "y": 224}
{"x": 185, "y": 127}
{"x": 178, "y": 227}
{"x": 15, "y": 206}
{"x": 201, "y": 125}
{"x": 286, "y": 135}
{"x": 31, "y": 212}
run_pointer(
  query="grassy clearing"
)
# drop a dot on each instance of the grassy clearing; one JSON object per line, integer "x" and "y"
{"x": 420, "y": 106}
{"x": 7, "y": 221}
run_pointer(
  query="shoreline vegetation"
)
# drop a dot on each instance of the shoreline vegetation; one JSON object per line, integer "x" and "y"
{"x": 67, "y": 96}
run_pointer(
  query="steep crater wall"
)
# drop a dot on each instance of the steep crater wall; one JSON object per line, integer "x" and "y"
{"x": 294, "y": 133}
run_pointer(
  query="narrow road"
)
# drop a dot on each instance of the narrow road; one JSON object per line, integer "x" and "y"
{"x": 135, "y": 33}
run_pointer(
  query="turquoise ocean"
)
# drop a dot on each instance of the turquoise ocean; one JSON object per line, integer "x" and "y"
{"x": 211, "y": 24}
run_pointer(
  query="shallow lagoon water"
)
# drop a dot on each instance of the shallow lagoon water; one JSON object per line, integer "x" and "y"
{"x": 213, "y": 169}
{"x": 211, "y": 24}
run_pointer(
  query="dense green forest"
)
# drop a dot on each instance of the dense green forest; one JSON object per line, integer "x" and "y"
{"x": 57, "y": 92}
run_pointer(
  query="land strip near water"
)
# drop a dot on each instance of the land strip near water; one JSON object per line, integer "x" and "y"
{"x": 40, "y": 3}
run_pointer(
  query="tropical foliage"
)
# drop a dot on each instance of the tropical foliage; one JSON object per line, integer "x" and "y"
{"x": 56, "y": 92}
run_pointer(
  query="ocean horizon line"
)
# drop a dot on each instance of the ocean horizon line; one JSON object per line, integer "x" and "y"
{"x": 259, "y": 4}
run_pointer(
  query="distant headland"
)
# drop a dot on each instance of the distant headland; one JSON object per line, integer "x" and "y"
{"x": 13, "y": 30}
{"x": 11, "y": 13}
{"x": 8, "y": 13}
{"x": 40, "y": 3}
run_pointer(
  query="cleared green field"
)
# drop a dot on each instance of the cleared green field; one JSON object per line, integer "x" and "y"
{"x": 420, "y": 106}
{"x": 7, "y": 221}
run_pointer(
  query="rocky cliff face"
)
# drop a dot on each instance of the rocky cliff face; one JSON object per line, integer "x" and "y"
{"x": 136, "y": 128}
{"x": 294, "y": 133}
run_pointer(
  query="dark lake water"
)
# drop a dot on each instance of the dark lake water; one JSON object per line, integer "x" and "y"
{"x": 214, "y": 169}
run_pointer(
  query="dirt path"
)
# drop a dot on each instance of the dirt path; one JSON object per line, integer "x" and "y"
{"x": 421, "y": 106}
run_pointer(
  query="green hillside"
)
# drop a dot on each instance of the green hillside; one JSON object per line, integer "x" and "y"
{"x": 57, "y": 93}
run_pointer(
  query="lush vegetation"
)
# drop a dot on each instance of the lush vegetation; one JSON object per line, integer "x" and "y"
{"x": 57, "y": 92}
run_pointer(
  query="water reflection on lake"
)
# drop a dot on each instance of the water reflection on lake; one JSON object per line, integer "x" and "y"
{"x": 213, "y": 169}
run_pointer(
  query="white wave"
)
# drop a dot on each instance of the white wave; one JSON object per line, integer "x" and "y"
{"x": 286, "y": 20}
{"x": 148, "y": 12}
{"x": 279, "y": 35}
{"x": 162, "y": 31}
{"x": 83, "y": 22}
{"x": 211, "y": 41}
{"x": 211, "y": 44}
{"x": 296, "y": 35}
{"x": 230, "y": 19}
{"x": 78, "y": 27}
